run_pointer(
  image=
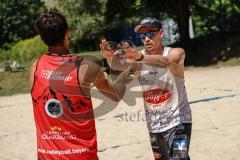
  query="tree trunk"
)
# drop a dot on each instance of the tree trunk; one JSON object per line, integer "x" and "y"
{"x": 181, "y": 8}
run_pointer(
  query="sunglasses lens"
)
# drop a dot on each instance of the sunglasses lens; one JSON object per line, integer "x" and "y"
{"x": 149, "y": 34}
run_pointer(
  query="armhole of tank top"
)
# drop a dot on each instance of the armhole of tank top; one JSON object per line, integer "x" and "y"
{"x": 78, "y": 76}
{"x": 166, "y": 51}
{"x": 142, "y": 64}
{"x": 34, "y": 75}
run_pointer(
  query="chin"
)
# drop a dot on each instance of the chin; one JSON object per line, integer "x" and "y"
{"x": 150, "y": 49}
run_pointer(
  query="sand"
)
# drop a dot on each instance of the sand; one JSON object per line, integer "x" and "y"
{"x": 214, "y": 94}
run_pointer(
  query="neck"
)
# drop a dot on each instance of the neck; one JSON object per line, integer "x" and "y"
{"x": 57, "y": 50}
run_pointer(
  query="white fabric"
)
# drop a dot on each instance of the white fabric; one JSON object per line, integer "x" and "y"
{"x": 165, "y": 98}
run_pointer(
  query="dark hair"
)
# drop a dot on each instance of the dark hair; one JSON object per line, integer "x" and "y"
{"x": 52, "y": 27}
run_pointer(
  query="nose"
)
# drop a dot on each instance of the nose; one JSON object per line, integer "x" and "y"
{"x": 146, "y": 39}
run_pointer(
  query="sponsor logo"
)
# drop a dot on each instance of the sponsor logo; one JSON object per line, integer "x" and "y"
{"x": 157, "y": 95}
{"x": 54, "y": 75}
{"x": 63, "y": 152}
{"x": 179, "y": 148}
{"x": 56, "y": 128}
{"x": 56, "y": 132}
{"x": 54, "y": 108}
{"x": 180, "y": 144}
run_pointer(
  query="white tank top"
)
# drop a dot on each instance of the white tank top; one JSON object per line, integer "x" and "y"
{"x": 165, "y": 98}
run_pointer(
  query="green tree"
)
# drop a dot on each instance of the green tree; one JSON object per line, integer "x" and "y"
{"x": 208, "y": 15}
{"x": 127, "y": 12}
{"x": 86, "y": 21}
{"x": 89, "y": 19}
{"x": 215, "y": 15}
{"x": 120, "y": 13}
{"x": 17, "y": 20}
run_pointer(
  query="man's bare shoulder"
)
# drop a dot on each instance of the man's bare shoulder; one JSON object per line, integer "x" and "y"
{"x": 176, "y": 54}
{"x": 89, "y": 69}
{"x": 33, "y": 66}
{"x": 31, "y": 73}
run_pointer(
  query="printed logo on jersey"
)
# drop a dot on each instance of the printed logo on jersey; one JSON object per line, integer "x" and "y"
{"x": 57, "y": 132}
{"x": 54, "y": 75}
{"x": 54, "y": 108}
{"x": 156, "y": 95}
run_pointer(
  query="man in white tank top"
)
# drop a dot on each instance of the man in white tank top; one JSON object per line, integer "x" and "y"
{"x": 161, "y": 74}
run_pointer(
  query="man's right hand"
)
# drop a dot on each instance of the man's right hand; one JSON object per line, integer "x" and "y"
{"x": 106, "y": 52}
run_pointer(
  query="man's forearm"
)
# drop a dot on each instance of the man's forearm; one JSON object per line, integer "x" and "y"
{"x": 156, "y": 60}
{"x": 117, "y": 64}
{"x": 119, "y": 88}
{"x": 119, "y": 85}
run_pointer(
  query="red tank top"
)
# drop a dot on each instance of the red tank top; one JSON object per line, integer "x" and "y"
{"x": 63, "y": 115}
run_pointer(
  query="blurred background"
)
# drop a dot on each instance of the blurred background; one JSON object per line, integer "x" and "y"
{"x": 207, "y": 29}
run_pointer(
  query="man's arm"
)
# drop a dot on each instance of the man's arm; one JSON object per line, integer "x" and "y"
{"x": 115, "y": 90}
{"x": 116, "y": 64}
{"x": 94, "y": 75}
{"x": 31, "y": 74}
{"x": 174, "y": 59}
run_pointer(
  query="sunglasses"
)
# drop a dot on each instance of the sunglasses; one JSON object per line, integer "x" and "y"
{"x": 149, "y": 34}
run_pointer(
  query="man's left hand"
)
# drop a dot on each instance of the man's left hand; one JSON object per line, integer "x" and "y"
{"x": 131, "y": 52}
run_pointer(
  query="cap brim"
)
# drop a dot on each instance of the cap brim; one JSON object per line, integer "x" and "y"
{"x": 144, "y": 28}
{"x": 138, "y": 27}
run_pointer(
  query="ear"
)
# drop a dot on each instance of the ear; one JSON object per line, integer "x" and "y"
{"x": 161, "y": 32}
{"x": 67, "y": 36}
{"x": 67, "y": 39}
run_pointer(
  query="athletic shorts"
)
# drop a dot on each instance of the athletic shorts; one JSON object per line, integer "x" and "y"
{"x": 172, "y": 144}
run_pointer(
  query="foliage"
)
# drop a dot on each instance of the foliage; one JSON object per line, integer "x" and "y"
{"x": 215, "y": 15}
{"x": 90, "y": 20}
{"x": 17, "y": 20}
{"x": 4, "y": 55}
{"x": 27, "y": 50}
{"x": 85, "y": 19}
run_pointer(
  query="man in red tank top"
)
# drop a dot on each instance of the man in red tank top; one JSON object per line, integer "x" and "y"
{"x": 60, "y": 87}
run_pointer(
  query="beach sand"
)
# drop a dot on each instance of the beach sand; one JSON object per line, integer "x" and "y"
{"x": 214, "y": 94}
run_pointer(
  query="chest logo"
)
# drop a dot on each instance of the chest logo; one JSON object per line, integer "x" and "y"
{"x": 156, "y": 96}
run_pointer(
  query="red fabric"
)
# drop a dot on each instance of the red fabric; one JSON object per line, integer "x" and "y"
{"x": 63, "y": 116}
